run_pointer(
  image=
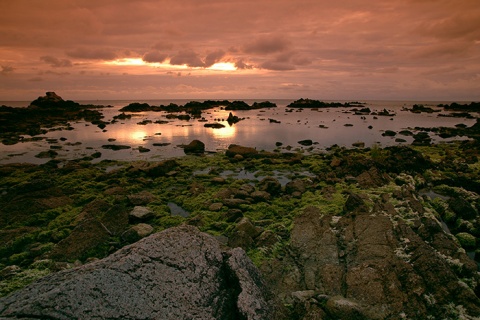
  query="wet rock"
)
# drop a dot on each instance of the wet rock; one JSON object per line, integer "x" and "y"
{"x": 355, "y": 202}
{"x": 372, "y": 178}
{"x": 196, "y": 147}
{"x": 369, "y": 266}
{"x": 173, "y": 274}
{"x": 159, "y": 169}
{"x": 270, "y": 185}
{"x": 234, "y": 203}
{"x": 137, "y": 232}
{"x": 245, "y": 152}
{"x": 9, "y": 271}
{"x": 462, "y": 208}
{"x": 295, "y": 186}
{"x": 306, "y": 142}
{"x": 141, "y": 198}
{"x": 233, "y": 215}
{"x": 115, "y": 147}
{"x": 421, "y": 139}
{"x": 217, "y": 206}
{"x": 214, "y": 125}
{"x": 140, "y": 213}
{"x": 266, "y": 239}
{"x": 261, "y": 196}
{"x": 244, "y": 234}
{"x": 389, "y": 133}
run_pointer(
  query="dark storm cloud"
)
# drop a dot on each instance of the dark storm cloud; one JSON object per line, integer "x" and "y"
{"x": 267, "y": 45}
{"x": 214, "y": 57}
{"x": 55, "y": 62}
{"x": 187, "y": 57}
{"x": 154, "y": 56}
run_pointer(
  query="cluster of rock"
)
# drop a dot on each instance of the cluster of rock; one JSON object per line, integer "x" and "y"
{"x": 45, "y": 112}
{"x": 367, "y": 264}
{"x": 195, "y": 108}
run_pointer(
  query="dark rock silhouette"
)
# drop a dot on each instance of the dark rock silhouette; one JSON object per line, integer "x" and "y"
{"x": 196, "y": 147}
{"x": 179, "y": 273}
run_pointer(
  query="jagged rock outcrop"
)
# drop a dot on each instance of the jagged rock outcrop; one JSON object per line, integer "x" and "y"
{"x": 371, "y": 264}
{"x": 179, "y": 273}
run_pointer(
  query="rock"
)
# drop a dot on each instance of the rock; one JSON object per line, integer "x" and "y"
{"x": 389, "y": 133}
{"x": 366, "y": 265}
{"x": 115, "y": 147}
{"x": 214, "y": 125}
{"x": 143, "y": 229}
{"x": 9, "y": 271}
{"x": 372, "y": 178}
{"x": 245, "y": 152}
{"x": 141, "y": 198}
{"x": 140, "y": 213}
{"x": 87, "y": 236}
{"x": 462, "y": 208}
{"x": 466, "y": 240}
{"x": 297, "y": 185}
{"x": 244, "y": 234}
{"x": 215, "y": 206}
{"x": 232, "y": 119}
{"x": 358, "y": 144}
{"x": 306, "y": 142}
{"x": 266, "y": 239}
{"x": 261, "y": 196}
{"x": 179, "y": 273}
{"x": 233, "y": 215}
{"x": 341, "y": 308}
{"x": 160, "y": 169}
{"x": 234, "y": 203}
{"x": 355, "y": 203}
{"x": 270, "y": 185}
{"x": 137, "y": 232}
{"x": 196, "y": 147}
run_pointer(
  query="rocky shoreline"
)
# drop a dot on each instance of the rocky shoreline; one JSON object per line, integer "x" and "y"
{"x": 361, "y": 233}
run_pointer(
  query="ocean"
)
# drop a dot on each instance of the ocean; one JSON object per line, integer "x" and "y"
{"x": 325, "y": 127}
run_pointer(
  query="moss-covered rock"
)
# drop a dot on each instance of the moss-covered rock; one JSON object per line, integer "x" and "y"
{"x": 466, "y": 240}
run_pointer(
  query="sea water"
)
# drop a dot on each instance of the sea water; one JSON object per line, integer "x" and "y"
{"x": 325, "y": 127}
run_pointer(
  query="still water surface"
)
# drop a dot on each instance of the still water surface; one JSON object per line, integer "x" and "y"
{"x": 325, "y": 127}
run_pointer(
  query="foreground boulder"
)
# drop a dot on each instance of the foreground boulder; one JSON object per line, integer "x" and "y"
{"x": 179, "y": 273}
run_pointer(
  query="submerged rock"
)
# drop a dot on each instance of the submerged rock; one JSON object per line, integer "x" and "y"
{"x": 179, "y": 273}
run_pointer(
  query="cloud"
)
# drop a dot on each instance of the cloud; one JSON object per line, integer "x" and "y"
{"x": 55, "y": 62}
{"x": 7, "y": 70}
{"x": 214, "y": 57}
{"x": 277, "y": 66}
{"x": 154, "y": 56}
{"x": 187, "y": 57}
{"x": 267, "y": 45}
{"x": 240, "y": 64}
{"x": 92, "y": 54}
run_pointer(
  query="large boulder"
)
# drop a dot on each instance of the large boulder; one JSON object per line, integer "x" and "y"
{"x": 367, "y": 265}
{"x": 179, "y": 273}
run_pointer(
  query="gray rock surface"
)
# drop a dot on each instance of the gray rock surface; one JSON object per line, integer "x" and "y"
{"x": 179, "y": 273}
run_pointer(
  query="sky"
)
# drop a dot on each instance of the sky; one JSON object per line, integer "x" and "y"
{"x": 241, "y": 49}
